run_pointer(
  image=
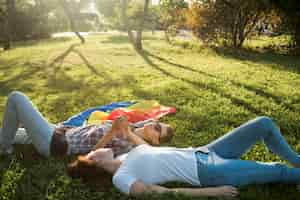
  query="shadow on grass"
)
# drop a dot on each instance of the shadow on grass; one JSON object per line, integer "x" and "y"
{"x": 255, "y": 89}
{"x": 8, "y": 64}
{"x": 35, "y": 42}
{"x": 288, "y": 123}
{"x": 64, "y": 83}
{"x": 204, "y": 86}
{"x": 283, "y": 62}
{"x": 77, "y": 95}
{"x": 116, "y": 39}
{"x": 59, "y": 81}
{"x": 27, "y": 175}
{"x": 194, "y": 122}
{"x": 59, "y": 60}
{"x": 123, "y": 39}
{"x": 15, "y": 82}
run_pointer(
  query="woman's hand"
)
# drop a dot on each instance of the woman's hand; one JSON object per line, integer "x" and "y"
{"x": 226, "y": 191}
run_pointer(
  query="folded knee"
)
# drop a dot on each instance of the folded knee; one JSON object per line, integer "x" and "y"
{"x": 265, "y": 121}
{"x": 15, "y": 95}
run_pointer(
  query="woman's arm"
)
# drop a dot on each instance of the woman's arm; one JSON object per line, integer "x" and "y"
{"x": 139, "y": 188}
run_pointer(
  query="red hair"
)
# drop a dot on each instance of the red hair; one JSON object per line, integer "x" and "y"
{"x": 89, "y": 172}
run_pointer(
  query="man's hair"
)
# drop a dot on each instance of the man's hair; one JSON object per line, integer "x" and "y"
{"x": 89, "y": 172}
{"x": 169, "y": 134}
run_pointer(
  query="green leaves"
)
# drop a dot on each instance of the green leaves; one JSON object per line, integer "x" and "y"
{"x": 10, "y": 180}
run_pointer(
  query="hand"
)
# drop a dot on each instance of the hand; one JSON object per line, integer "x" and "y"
{"x": 61, "y": 129}
{"x": 227, "y": 191}
{"x": 120, "y": 126}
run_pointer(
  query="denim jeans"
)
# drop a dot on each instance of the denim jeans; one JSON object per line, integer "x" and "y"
{"x": 222, "y": 166}
{"x": 20, "y": 110}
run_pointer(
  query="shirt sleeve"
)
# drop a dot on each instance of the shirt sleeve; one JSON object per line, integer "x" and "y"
{"x": 123, "y": 181}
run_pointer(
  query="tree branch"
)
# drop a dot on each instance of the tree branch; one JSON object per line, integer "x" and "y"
{"x": 71, "y": 19}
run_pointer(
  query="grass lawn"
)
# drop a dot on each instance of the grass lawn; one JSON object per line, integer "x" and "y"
{"x": 214, "y": 91}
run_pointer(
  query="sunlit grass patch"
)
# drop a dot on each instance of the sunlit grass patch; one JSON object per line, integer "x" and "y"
{"x": 213, "y": 89}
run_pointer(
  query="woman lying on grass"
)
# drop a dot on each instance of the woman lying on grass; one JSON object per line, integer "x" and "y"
{"x": 50, "y": 139}
{"x": 216, "y": 168}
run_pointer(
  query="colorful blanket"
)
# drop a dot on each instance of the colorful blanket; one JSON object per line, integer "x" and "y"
{"x": 135, "y": 111}
{"x": 79, "y": 119}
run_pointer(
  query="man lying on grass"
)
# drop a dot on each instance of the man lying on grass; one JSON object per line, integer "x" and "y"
{"x": 50, "y": 139}
{"x": 216, "y": 168}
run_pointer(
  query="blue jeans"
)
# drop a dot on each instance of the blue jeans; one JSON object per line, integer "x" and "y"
{"x": 223, "y": 166}
{"x": 20, "y": 110}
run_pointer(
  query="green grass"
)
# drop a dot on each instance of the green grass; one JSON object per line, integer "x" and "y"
{"x": 214, "y": 90}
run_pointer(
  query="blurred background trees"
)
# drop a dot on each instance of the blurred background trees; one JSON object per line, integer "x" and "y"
{"x": 228, "y": 21}
{"x": 29, "y": 19}
{"x": 217, "y": 22}
{"x": 110, "y": 11}
{"x": 172, "y": 16}
{"x": 291, "y": 17}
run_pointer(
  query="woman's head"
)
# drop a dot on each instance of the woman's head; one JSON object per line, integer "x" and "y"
{"x": 101, "y": 156}
{"x": 89, "y": 171}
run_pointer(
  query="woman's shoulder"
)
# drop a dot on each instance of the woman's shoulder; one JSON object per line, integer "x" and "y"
{"x": 136, "y": 152}
{"x": 141, "y": 147}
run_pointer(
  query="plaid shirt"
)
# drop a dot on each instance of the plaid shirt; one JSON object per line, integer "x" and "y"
{"x": 82, "y": 140}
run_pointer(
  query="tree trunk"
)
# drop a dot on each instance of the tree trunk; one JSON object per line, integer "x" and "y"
{"x": 138, "y": 42}
{"x": 297, "y": 33}
{"x": 235, "y": 30}
{"x": 234, "y": 36}
{"x": 6, "y": 42}
{"x": 241, "y": 34}
{"x": 9, "y": 31}
{"x": 70, "y": 15}
{"x": 125, "y": 24}
{"x": 167, "y": 37}
{"x": 135, "y": 40}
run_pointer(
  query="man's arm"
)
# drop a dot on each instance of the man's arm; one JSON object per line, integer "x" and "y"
{"x": 105, "y": 139}
{"x": 135, "y": 139}
{"x": 120, "y": 125}
{"x": 139, "y": 188}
